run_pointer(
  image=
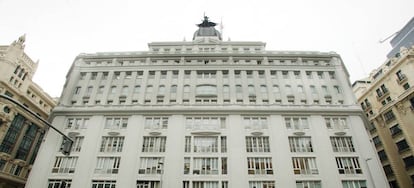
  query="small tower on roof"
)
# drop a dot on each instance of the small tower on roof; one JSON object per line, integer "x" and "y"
{"x": 206, "y": 29}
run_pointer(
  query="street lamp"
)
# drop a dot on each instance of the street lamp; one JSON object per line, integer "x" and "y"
{"x": 67, "y": 143}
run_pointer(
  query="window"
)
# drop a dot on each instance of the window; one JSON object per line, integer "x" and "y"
{"x": 354, "y": 184}
{"x": 117, "y": 75}
{"x": 104, "y": 75}
{"x": 205, "y": 165}
{"x": 77, "y": 90}
{"x": 148, "y": 184}
{"x": 82, "y": 75}
{"x": 103, "y": 183}
{"x": 376, "y": 140}
{"x": 257, "y": 144}
{"x": 308, "y": 184}
{"x": 262, "y": 184}
{"x": 205, "y": 144}
{"x": 59, "y": 183}
{"x": 154, "y": 144}
{"x": 206, "y": 91}
{"x": 100, "y": 89}
{"x": 342, "y": 144}
{"x": 276, "y": 89}
{"x": 320, "y": 75}
{"x": 402, "y": 146}
{"x": 304, "y": 165}
{"x": 331, "y": 75}
{"x": 107, "y": 165}
{"x": 65, "y": 165}
{"x": 309, "y": 74}
{"x": 206, "y": 74}
{"x": 137, "y": 89}
{"x": 113, "y": 90}
{"x": 205, "y": 184}
{"x": 395, "y": 130}
{"x": 297, "y": 74}
{"x": 124, "y": 90}
{"x": 77, "y": 123}
{"x": 336, "y": 123}
{"x": 406, "y": 86}
{"x": 116, "y": 123}
{"x": 382, "y": 155}
{"x": 389, "y": 116}
{"x": 112, "y": 144}
{"x": 400, "y": 75}
{"x": 409, "y": 162}
{"x": 259, "y": 165}
{"x": 187, "y": 165}
{"x": 156, "y": 122}
{"x": 348, "y": 165}
{"x": 77, "y": 144}
{"x": 337, "y": 89}
{"x": 205, "y": 123}
{"x": 300, "y": 144}
{"x": 381, "y": 91}
{"x": 151, "y": 165}
{"x": 296, "y": 123}
{"x": 255, "y": 122}
{"x": 285, "y": 74}
{"x": 313, "y": 89}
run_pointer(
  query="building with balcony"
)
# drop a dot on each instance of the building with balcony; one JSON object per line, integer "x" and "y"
{"x": 208, "y": 113}
{"x": 387, "y": 97}
{"x": 20, "y": 132}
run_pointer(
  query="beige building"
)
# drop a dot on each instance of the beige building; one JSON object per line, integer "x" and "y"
{"x": 20, "y": 132}
{"x": 387, "y": 97}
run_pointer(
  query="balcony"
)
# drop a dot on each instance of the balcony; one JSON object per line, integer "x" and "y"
{"x": 401, "y": 79}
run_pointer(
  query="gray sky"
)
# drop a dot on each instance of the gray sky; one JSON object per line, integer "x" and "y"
{"x": 58, "y": 30}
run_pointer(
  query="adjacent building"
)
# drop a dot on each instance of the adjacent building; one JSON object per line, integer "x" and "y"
{"x": 20, "y": 132}
{"x": 208, "y": 113}
{"x": 387, "y": 97}
{"x": 403, "y": 38}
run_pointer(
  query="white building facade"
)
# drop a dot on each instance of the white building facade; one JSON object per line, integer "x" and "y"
{"x": 208, "y": 113}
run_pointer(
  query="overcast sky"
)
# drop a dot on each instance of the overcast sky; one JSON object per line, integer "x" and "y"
{"x": 58, "y": 30}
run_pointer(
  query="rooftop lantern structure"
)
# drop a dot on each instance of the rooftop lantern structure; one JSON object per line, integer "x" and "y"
{"x": 206, "y": 30}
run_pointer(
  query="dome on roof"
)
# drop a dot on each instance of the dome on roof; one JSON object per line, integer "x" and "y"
{"x": 206, "y": 29}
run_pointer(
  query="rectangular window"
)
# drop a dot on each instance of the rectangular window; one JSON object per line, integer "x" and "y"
{"x": 296, "y": 123}
{"x": 205, "y": 144}
{"x": 103, "y": 183}
{"x": 309, "y": 74}
{"x": 151, "y": 165}
{"x": 255, "y": 122}
{"x": 320, "y": 75}
{"x": 262, "y": 184}
{"x": 348, "y": 165}
{"x": 304, "y": 165}
{"x": 300, "y": 144}
{"x": 205, "y": 184}
{"x": 77, "y": 144}
{"x": 107, "y": 165}
{"x": 389, "y": 116}
{"x": 402, "y": 146}
{"x": 148, "y": 184}
{"x": 308, "y": 184}
{"x": 77, "y": 90}
{"x": 223, "y": 143}
{"x": 205, "y": 123}
{"x": 65, "y": 165}
{"x": 154, "y": 144}
{"x": 285, "y": 74}
{"x": 336, "y": 123}
{"x": 259, "y": 165}
{"x": 354, "y": 184}
{"x": 187, "y": 144}
{"x": 156, "y": 122}
{"x": 297, "y": 74}
{"x": 342, "y": 144}
{"x": 187, "y": 165}
{"x": 116, "y": 123}
{"x": 112, "y": 144}
{"x": 59, "y": 183}
{"x": 257, "y": 144}
{"x": 205, "y": 165}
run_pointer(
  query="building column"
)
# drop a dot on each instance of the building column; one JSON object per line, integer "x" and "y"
{"x": 397, "y": 165}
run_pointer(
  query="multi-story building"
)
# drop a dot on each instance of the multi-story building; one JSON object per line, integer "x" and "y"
{"x": 209, "y": 113}
{"x": 20, "y": 132}
{"x": 403, "y": 38}
{"x": 387, "y": 97}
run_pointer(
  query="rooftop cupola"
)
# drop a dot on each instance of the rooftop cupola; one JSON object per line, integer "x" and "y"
{"x": 206, "y": 29}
